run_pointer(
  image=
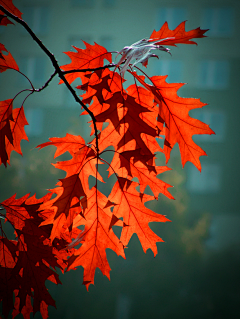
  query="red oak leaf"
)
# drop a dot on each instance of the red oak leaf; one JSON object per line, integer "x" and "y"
{"x": 5, "y": 118}
{"x": 12, "y": 124}
{"x": 83, "y": 161}
{"x": 8, "y": 258}
{"x": 128, "y": 124}
{"x": 131, "y": 164}
{"x": 30, "y": 260}
{"x": 96, "y": 238}
{"x": 2, "y": 47}
{"x": 69, "y": 143}
{"x": 179, "y": 126}
{"x": 63, "y": 207}
{"x": 91, "y": 57}
{"x": 146, "y": 98}
{"x": 7, "y": 61}
{"x": 9, "y": 6}
{"x": 99, "y": 87}
{"x": 178, "y": 35}
{"x": 4, "y": 20}
{"x": 140, "y": 51}
{"x": 8, "y": 251}
{"x": 27, "y": 309}
{"x": 136, "y": 215}
{"x": 74, "y": 186}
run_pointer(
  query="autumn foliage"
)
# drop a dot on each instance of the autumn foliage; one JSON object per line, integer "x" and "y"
{"x": 47, "y": 230}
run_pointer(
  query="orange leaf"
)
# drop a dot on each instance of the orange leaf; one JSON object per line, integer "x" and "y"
{"x": 91, "y": 57}
{"x": 8, "y": 5}
{"x": 96, "y": 238}
{"x": 178, "y": 35}
{"x": 12, "y": 124}
{"x": 4, "y": 20}
{"x": 131, "y": 164}
{"x": 136, "y": 215}
{"x": 63, "y": 208}
{"x": 179, "y": 126}
{"x": 29, "y": 261}
{"x": 69, "y": 143}
{"x": 6, "y": 60}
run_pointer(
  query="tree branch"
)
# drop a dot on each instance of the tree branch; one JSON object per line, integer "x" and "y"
{"x": 46, "y": 84}
{"x": 55, "y": 65}
{"x": 110, "y": 65}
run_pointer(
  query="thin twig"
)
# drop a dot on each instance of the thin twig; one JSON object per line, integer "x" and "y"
{"x": 56, "y": 67}
{"x": 107, "y": 66}
{"x": 26, "y": 78}
{"x": 46, "y": 84}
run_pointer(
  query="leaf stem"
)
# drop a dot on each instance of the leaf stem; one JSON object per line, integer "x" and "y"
{"x": 26, "y": 78}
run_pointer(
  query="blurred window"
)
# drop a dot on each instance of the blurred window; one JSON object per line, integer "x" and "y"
{"x": 172, "y": 68}
{"x": 213, "y": 74}
{"x": 107, "y": 43}
{"x": 173, "y": 16}
{"x": 216, "y": 121}
{"x": 109, "y": 3}
{"x": 34, "y": 68}
{"x": 38, "y": 18}
{"x": 83, "y": 3}
{"x": 206, "y": 182}
{"x": 35, "y": 121}
{"x": 123, "y": 306}
{"x": 219, "y": 20}
{"x": 224, "y": 224}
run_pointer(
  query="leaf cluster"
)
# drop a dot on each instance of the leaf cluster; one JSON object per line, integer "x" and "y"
{"x": 72, "y": 225}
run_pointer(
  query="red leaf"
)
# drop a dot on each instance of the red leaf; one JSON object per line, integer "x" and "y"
{"x": 179, "y": 126}
{"x": 140, "y": 51}
{"x": 8, "y": 5}
{"x": 8, "y": 251}
{"x": 83, "y": 157}
{"x": 6, "y": 60}
{"x": 91, "y": 57}
{"x": 63, "y": 206}
{"x": 4, "y": 20}
{"x": 135, "y": 215}
{"x": 8, "y": 257}
{"x": 178, "y": 35}
{"x": 127, "y": 123}
{"x": 96, "y": 238}
{"x": 12, "y": 124}
{"x": 27, "y": 309}
{"x": 28, "y": 262}
{"x": 132, "y": 164}
{"x": 69, "y": 143}
{"x": 74, "y": 186}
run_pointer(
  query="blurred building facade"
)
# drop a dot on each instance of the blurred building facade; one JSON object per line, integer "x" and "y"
{"x": 211, "y": 70}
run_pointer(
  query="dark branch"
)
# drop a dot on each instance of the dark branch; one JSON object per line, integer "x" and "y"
{"x": 55, "y": 65}
{"x": 46, "y": 84}
{"x": 110, "y": 65}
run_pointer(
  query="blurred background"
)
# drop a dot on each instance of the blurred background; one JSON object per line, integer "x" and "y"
{"x": 196, "y": 272}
